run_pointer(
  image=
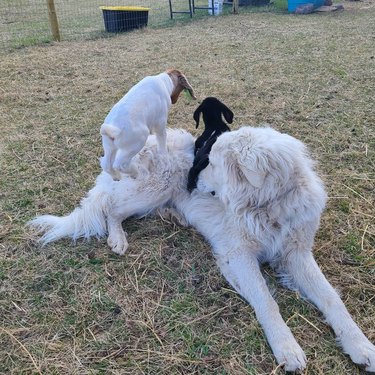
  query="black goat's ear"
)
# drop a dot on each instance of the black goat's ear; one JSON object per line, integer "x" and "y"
{"x": 192, "y": 180}
{"x": 196, "y": 116}
{"x": 227, "y": 113}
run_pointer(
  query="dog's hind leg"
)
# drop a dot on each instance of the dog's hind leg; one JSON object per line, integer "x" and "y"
{"x": 130, "y": 197}
{"x": 309, "y": 279}
{"x": 242, "y": 271}
{"x": 116, "y": 236}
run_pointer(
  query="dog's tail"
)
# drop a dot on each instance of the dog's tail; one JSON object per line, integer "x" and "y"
{"x": 87, "y": 220}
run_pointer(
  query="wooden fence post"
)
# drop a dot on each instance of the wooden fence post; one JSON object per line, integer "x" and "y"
{"x": 235, "y": 6}
{"x": 53, "y": 20}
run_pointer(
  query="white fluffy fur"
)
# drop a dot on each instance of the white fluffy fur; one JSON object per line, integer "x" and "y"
{"x": 141, "y": 112}
{"x": 267, "y": 208}
{"x": 109, "y": 202}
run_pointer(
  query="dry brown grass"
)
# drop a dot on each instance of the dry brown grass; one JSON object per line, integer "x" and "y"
{"x": 164, "y": 308}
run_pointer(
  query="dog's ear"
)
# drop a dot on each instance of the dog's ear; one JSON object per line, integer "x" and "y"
{"x": 240, "y": 174}
{"x": 227, "y": 113}
{"x": 259, "y": 164}
{"x": 197, "y": 114}
{"x": 255, "y": 178}
{"x": 244, "y": 168}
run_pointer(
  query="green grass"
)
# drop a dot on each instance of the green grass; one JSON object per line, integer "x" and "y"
{"x": 281, "y": 4}
{"x": 352, "y": 246}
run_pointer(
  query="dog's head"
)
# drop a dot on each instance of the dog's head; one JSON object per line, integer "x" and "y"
{"x": 180, "y": 83}
{"x": 251, "y": 166}
{"x": 212, "y": 108}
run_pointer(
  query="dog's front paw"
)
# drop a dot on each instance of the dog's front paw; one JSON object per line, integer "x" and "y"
{"x": 118, "y": 243}
{"x": 170, "y": 214}
{"x": 291, "y": 355}
{"x": 360, "y": 350}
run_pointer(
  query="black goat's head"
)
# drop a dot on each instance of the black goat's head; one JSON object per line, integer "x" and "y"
{"x": 212, "y": 109}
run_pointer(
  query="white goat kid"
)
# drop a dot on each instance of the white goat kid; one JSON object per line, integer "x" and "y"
{"x": 141, "y": 112}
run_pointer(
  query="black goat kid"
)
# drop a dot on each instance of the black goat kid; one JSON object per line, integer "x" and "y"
{"x": 212, "y": 110}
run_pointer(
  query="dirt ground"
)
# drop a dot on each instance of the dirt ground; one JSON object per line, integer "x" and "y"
{"x": 164, "y": 308}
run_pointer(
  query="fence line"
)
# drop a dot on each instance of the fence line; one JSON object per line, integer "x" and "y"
{"x": 27, "y": 22}
{"x": 53, "y": 20}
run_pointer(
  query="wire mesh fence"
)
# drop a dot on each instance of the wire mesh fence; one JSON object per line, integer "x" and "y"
{"x": 27, "y": 22}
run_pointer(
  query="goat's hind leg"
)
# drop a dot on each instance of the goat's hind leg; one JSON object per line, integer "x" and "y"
{"x": 123, "y": 162}
{"x": 127, "y": 149}
{"x": 106, "y": 161}
{"x": 306, "y": 275}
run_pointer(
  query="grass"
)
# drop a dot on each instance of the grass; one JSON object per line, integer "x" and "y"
{"x": 164, "y": 308}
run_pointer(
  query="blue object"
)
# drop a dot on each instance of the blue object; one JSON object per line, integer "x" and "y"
{"x": 293, "y": 4}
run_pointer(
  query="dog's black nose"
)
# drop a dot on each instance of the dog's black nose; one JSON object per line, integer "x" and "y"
{"x": 212, "y": 193}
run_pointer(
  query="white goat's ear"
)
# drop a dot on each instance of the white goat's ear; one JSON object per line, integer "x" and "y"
{"x": 255, "y": 178}
{"x": 180, "y": 83}
{"x": 182, "y": 80}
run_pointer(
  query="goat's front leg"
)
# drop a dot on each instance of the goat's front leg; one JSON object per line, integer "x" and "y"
{"x": 310, "y": 280}
{"x": 161, "y": 137}
{"x": 242, "y": 271}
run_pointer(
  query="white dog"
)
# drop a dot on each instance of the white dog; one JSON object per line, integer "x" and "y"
{"x": 267, "y": 205}
{"x": 141, "y": 112}
{"x": 271, "y": 202}
{"x": 160, "y": 177}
